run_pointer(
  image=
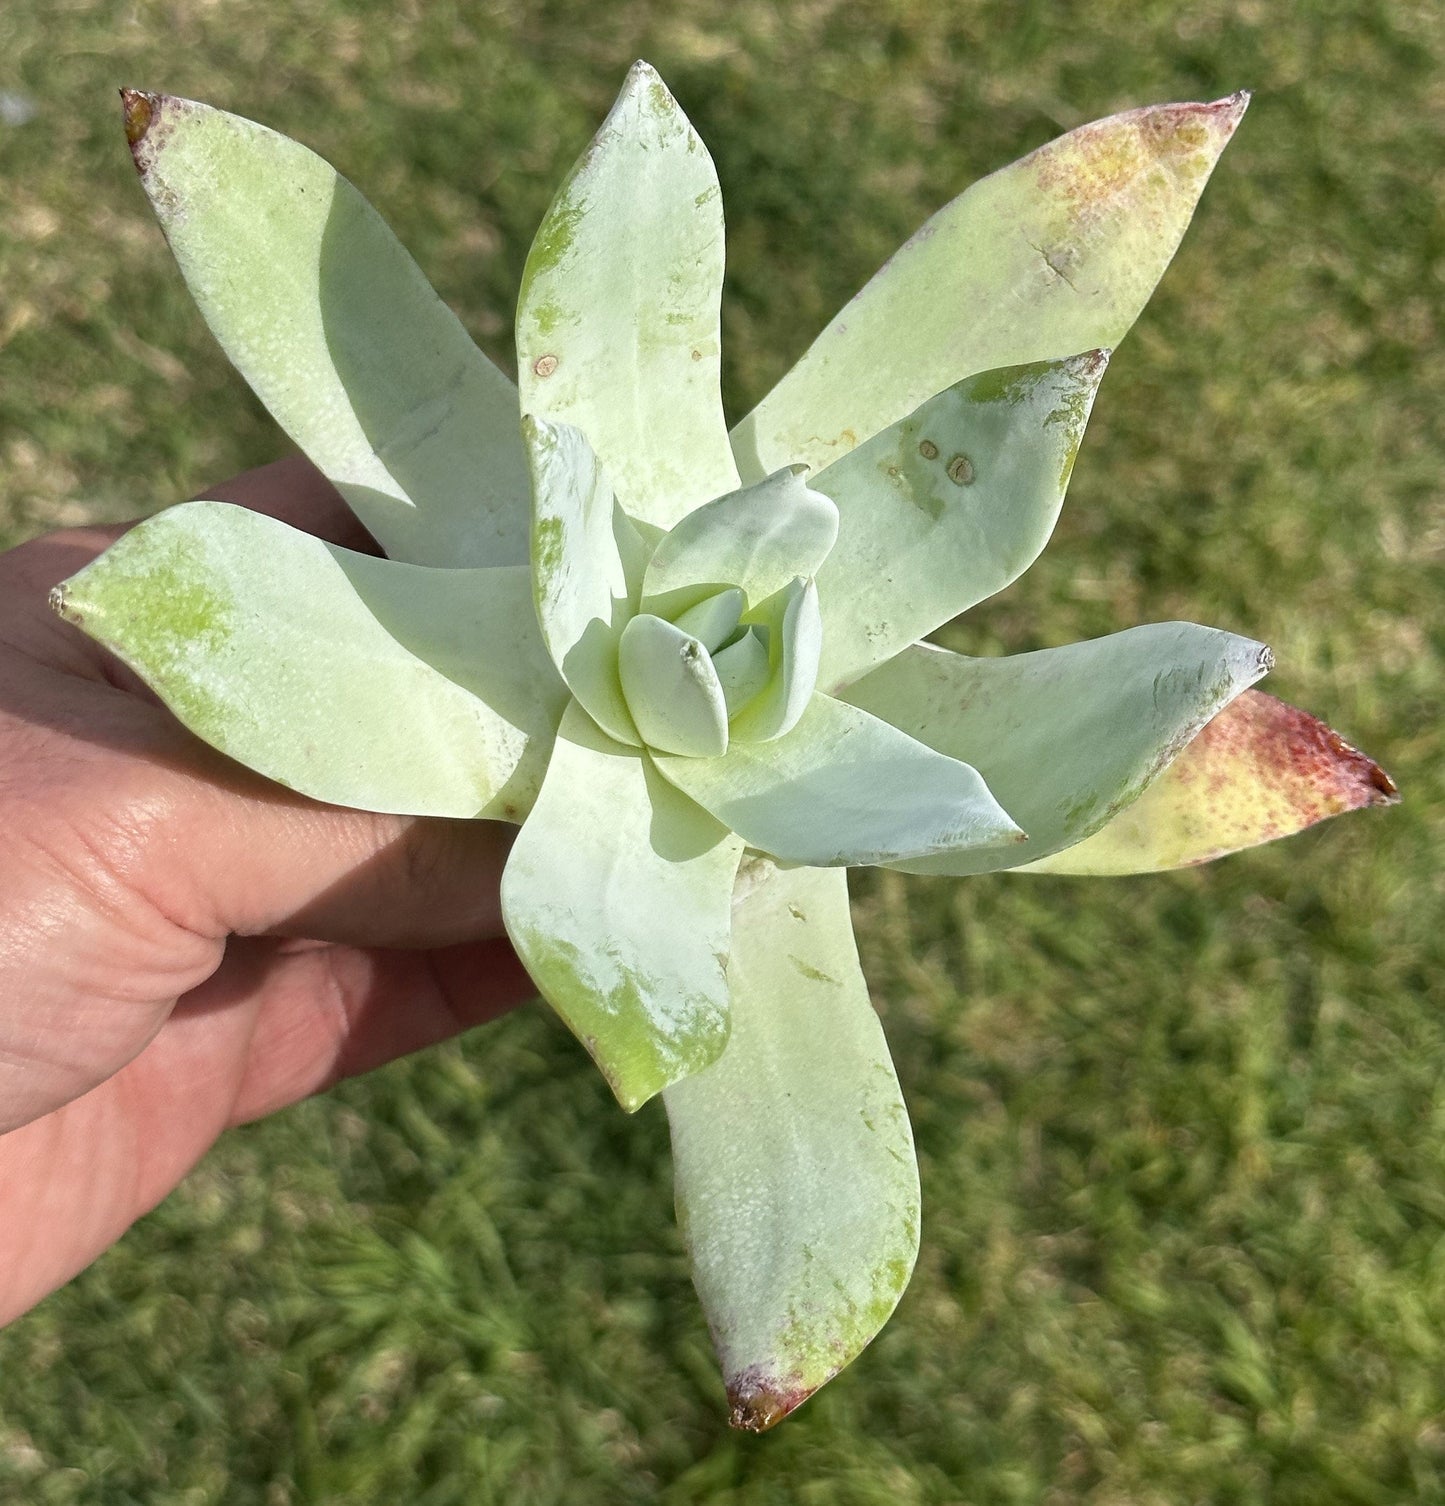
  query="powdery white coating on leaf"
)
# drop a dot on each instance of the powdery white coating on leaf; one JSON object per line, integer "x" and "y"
{"x": 758, "y": 539}
{"x": 947, "y": 506}
{"x": 580, "y": 583}
{"x": 796, "y": 1184}
{"x": 337, "y": 331}
{"x": 1258, "y": 771}
{"x": 1065, "y": 737}
{"x": 743, "y": 670}
{"x": 617, "y": 320}
{"x": 793, "y": 625}
{"x": 617, "y": 896}
{"x": 1053, "y": 255}
{"x": 355, "y": 680}
{"x": 672, "y": 689}
{"x": 844, "y": 788}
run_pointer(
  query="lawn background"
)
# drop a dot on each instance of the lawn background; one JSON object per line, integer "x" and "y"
{"x": 1182, "y": 1138}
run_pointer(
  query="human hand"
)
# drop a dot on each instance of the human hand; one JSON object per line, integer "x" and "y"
{"x": 183, "y": 945}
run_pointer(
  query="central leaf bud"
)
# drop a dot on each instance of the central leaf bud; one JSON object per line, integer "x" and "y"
{"x": 728, "y": 635}
{"x": 718, "y": 669}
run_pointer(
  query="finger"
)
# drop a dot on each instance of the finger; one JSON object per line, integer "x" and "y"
{"x": 333, "y": 1013}
{"x": 261, "y": 861}
{"x": 77, "y": 1178}
{"x": 120, "y": 794}
{"x": 270, "y": 1027}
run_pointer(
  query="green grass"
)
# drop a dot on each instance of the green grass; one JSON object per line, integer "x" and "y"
{"x": 1182, "y": 1138}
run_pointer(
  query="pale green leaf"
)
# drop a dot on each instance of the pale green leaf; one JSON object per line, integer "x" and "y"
{"x": 1259, "y": 770}
{"x": 1053, "y": 255}
{"x": 793, "y": 626}
{"x": 841, "y": 788}
{"x": 742, "y": 669}
{"x": 946, "y": 507}
{"x": 796, "y": 1184}
{"x": 1065, "y": 737}
{"x": 355, "y": 680}
{"x": 581, "y": 545}
{"x": 338, "y": 333}
{"x": 617, "y": 896}
{"x": 672, "y": 689}
{"x": 714, "y": 620}
{"x": 758, "y": 538}
{"x": 617, "y": 321}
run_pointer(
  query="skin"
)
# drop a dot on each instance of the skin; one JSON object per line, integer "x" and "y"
{"x": 184, "y": 946}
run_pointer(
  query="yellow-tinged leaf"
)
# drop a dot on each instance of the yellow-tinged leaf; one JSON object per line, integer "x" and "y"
{"x": 1261, "y": 769}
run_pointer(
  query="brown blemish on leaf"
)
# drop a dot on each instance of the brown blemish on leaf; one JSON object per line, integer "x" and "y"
{"x": 758, "y": 1401}
{"x": 928, "y": 449}
{"x": 960, "y": 470}
{"x": 544, "y": 366}
{"x": 139, "y": 111}
{"x": 1259, "y": 770}
{"x": 1309, "y": 769}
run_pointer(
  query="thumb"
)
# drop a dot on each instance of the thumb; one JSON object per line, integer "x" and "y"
{"x": 110, "y": 775}
{"x": 235, "y": 855}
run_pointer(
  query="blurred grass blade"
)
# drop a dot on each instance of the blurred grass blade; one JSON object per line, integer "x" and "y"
{"x": 796, "y": 1184}
{"x": 339, "y": 334}
{"x": 617, "y": 320}
{"x": 1261, "y": 769}
{"x": 842, "y": 788}
{"x": 356, "y": 680}
{"x": 617, "y": 896}
{"x": 1065, "y": 737}
{"x": 947, "y": 506}
{"x": 1050, "y": 256}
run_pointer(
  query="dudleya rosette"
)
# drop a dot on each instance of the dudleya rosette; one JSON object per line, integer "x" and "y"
{"x": 689, "y": 663}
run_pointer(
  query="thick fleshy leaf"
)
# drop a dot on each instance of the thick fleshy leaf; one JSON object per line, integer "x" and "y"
{"x": 339, "y": 334}
{"x": 582, "y": 543}
{"x": 672, "y": 689}
{"x": 617, "y": 322}
{"x": 617, "y": 896}
{"x": 794, "y": 628}
{"x": 360, "y": 681}
{"x": 797, "y": 1188}
{"x": 758, "y": 538}
{"x": 1053, "y": 255}
{"x": 842, "y": 788}
{"x": 947, "y": 507}
{"x": 1066, "y": 736}
{"x": 714, "y": 620}
{"x": 1261, "y": 769}
{"x": 743, "y": 670}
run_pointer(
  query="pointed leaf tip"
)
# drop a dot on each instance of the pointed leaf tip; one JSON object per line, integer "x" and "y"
{"x": 1091, "y": 364}
{"x": 139, "y": 110}
{"x": 1259, "y": 770}
{"x": 1231, "y": 108}
{"x": 757, "y": 1402}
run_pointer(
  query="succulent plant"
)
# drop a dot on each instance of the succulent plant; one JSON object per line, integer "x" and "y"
{"x": 690, "y": 664}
